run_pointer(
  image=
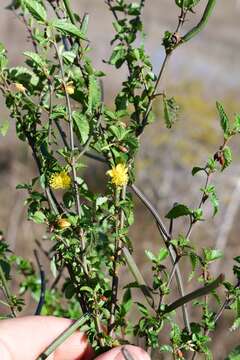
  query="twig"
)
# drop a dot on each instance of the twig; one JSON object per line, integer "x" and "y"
{"x": 207, "y": 13}
{"x": 138, "y": 276}
{"x": 73, "y": 162}
{"x": 149, "y": 107}
{"x": 195, "y": 294}
{"x": 166, "y": 238}
{"x": 63, "y": 337}
{"x": 227, "y": 222}
{"x": 43, "y": 285}
{"x": 6, "y": 291}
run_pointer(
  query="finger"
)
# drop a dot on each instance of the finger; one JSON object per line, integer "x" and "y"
{"x": 116, "y": 354}
{"x": 27, "y": 337}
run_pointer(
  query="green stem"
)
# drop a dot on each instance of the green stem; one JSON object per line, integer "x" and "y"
{"x": 63, "y": 337}
{"x": 69, "y": 11}
{"x": 138, "y": 277}
{"x": 195, "y": 294}
{"x": 196, "y": 30}
{"x": 6, "y": 290}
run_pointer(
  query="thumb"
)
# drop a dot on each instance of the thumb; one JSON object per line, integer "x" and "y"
{"x": 135, "y": 353}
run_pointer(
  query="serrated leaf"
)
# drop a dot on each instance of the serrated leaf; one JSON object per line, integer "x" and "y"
{"x": 177, "y": 211}
{"x": 36, "y": 58}
{"x": 237, "y": 123}
{"x": 118, "y": 56}
{"x": 36, "y": 10}
{"x": 23, "y": 75}
{"x": 224, "y": 121}
{"x": 38, "y": 217}
{"x": 211, "y": 255}
{"x": 82, "y": 125}
{"x": 227, "y": 155}
{"x": 214, "y": 201}
{"x": 67, "y": 28}
{"x": 4, "y": 126}
{"x": 94, "y": 93}
{"x": 171, "y": 109}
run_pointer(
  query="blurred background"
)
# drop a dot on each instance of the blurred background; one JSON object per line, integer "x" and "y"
{"x": 200, "y": 72}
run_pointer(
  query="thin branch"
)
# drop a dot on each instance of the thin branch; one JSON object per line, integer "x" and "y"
{"x": 7, "y": 291}
{"x": 138, "y": 276}
{"x": 195, "y": 294}
{"x": 63, "y": 337}
{"x": 166, "y": 238}
{"x": 43, "y": 285}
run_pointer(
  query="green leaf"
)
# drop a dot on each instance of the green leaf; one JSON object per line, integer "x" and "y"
{"x": 38, "y": 217}
{"x": 143, "y": 310}
{"x": 237, "y": 123}
{"x": 214, "y": 201}
{"x": 127, "y": 300}
{"x": 69, "y": 290}
{"x": 171, "y": 110}
{"x": 84, "y": 24}
{"x": 163, "y": 253}
{"x": 68, "y": 56}
{"x": 227, "y": 155}
{"x": 36, "y": 58}
{"x": 225, "y": 123}
{"x": 196, "y": 169}
{"x": 24, "y": 76}
{"x": 82, "y": 125}
{"x": 94, "y": 94}
{"x": 187, "y": 4}
{"x": 4, "y": 128}
{"x": 150, "y": 255}
{"x": 67, "y": 28}
{"x": 118, "y": 56}
{"x": 36, "y": 10}
{"x": 235, "y": 354}
{"x": 166, "y": 348}
{"x": 177, "y": 211}
{"x": 211, "y": 255}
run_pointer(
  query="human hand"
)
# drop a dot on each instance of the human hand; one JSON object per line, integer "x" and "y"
{"x": 25, "y": 338}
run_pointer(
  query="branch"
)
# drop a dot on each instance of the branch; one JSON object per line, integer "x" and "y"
{"x": 195, "y": 294}
{"x": 63, "y": 337}
{"x": 196, "y": 30}
{"x": 43, "y": 286}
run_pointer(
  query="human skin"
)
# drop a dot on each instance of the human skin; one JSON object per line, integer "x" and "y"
{"x": 25, "y": 338}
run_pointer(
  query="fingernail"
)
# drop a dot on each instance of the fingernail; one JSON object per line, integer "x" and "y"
{"x": 126, "y": 354}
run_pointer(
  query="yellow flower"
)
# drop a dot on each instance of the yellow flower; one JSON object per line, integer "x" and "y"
{"x": 19, "y": 87}
{"x": 60, "y": 180}
{"x": 63, "y": 223}
{"x": 70, "y": 89}
{"x": 119, "y": 175}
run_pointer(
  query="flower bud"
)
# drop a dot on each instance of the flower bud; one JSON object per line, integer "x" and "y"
{"x": 63, "y": 223}
{"x": 19, "y": 87}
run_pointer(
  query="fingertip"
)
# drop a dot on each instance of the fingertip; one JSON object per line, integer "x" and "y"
{"x": 117, "y": 354}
